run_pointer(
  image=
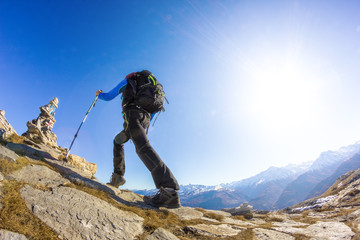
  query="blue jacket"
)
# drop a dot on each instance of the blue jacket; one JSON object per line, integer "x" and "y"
{"x": 119, "y": 89}
{"x": 114, "y": 92}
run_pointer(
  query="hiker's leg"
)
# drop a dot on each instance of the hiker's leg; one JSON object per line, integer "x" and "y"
{"x": 119, "y": 155}
{"x": 161, "y": 174}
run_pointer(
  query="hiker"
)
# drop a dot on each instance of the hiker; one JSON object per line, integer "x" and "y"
{"x": 136, "y": 122}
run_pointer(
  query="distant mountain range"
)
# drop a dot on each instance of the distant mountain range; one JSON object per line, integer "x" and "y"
{"x": 276, "y": 187}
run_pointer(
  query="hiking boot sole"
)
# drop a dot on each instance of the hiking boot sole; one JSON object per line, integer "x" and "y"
{"x": 165, "y": 205}
{"x": 169, "y": 206}
{"x": 117, "y": 185}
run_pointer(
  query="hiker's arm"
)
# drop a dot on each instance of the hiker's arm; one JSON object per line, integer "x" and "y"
{"x": 114, "y": 92}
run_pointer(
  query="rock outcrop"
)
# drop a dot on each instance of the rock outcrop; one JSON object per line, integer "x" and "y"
{"x": 161, "y": 234}
{"x": 62, "y": 197}
{"x": 6, "y": 130}
{"x": 78, "y": 215}
{"x": 38, "y": 175}
{"x": 78, "y": 207}
{"x": 243, "y": 209}
{"x": 7, "y": 154}
{"x": 7, "y": 235}
{"x": 343, "y": 193}
{"x": 39, "y": 141}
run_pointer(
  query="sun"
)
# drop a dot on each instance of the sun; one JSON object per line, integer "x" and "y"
{"x": 282, "y": 94}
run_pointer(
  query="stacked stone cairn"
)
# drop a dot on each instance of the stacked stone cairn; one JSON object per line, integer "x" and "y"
{"x": 40, "y": 129}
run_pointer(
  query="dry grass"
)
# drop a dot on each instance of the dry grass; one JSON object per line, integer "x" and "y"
{"x": 325, "y": 208}
{"x": 214, "y": 216}
{"x": 62, "y": 158}
{"x": 301, "y": 237}
{"x": 239, "y": 217}
{"x": 7, "y": 167}
{"x": 267, "y": 225}
{"x": 356, "y": 237}
{"x": 307, "y": 220}
{"x": 354, "y": 227}
{"x": 273, "y": 219}
{"x": 16, "y": 138}
{"x": 248, "y": 216}
{"x": 340, "y": 212}
{"x": 16, "y": 217}
{"x": 3, "y": 142}
{"x": 211, "y": 215}
{"x": 246, "y": 234}
{"x": 345, "y": 179}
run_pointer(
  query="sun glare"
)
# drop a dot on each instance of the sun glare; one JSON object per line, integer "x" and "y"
{"x": 282, "y": 95}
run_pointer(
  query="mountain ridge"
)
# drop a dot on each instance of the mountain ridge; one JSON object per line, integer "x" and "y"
{"x": 275, "y": 187}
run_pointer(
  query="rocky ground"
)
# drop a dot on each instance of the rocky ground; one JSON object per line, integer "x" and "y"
{"x": 45, "y": 197}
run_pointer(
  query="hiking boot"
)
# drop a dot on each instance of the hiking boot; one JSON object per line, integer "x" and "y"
{"x": 117, "y": 180}
{"x": 164, "y": 198}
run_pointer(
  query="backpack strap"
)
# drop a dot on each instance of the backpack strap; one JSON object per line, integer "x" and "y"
{"x": 133, "y": 85}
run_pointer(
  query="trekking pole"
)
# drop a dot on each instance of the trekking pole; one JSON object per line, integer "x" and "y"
{"x": 92, "y": 105}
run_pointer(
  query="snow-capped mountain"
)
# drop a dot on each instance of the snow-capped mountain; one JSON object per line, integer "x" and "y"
{"x": 274, "y": 188}
{"x": 271, "y": 174}
{"x": 329, "y": 158}
{"x": 191, "y": 189}
{"x": 322, "y": 168}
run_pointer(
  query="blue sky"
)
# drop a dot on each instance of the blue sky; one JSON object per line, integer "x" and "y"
{"x": 251, "y": 84}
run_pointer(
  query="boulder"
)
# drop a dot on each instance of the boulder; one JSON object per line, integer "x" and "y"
{"x": 82, "y": 164}
{"x": 237, "y": 222}
{"x": 68, "y": 169}
{"x": 38, "y": 175}
{"x": 222, "y": 213}
{"x": 243, "y": 209}
{"x": 161, "y": 234}
{"x": 7, "y": 154}
{"x": 321, "y": 230}
{"x": 330, "y": 230}
{"x": 266, "y": 234}
{"x": 223, "y": 230}
{"x": 187, "y": 213}
{"x": 7, "y": 235}
{"x": 30, "y": 151}
{"x": 55, "y": 152}
{"x": 77, "y": 215}
{"x": 51, "y": 155}
{"x": 289, "y": 223}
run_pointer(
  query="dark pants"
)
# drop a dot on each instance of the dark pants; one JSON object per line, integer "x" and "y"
{"x": 135, "y": 124}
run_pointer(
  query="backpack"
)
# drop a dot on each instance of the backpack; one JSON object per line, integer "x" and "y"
{"x": 145, "y": 91}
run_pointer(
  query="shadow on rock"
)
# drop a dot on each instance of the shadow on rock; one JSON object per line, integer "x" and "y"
{"x": 77, "y": 177}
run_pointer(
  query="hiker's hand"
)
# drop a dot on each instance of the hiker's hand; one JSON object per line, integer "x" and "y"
{"x": 98, "y": 92}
